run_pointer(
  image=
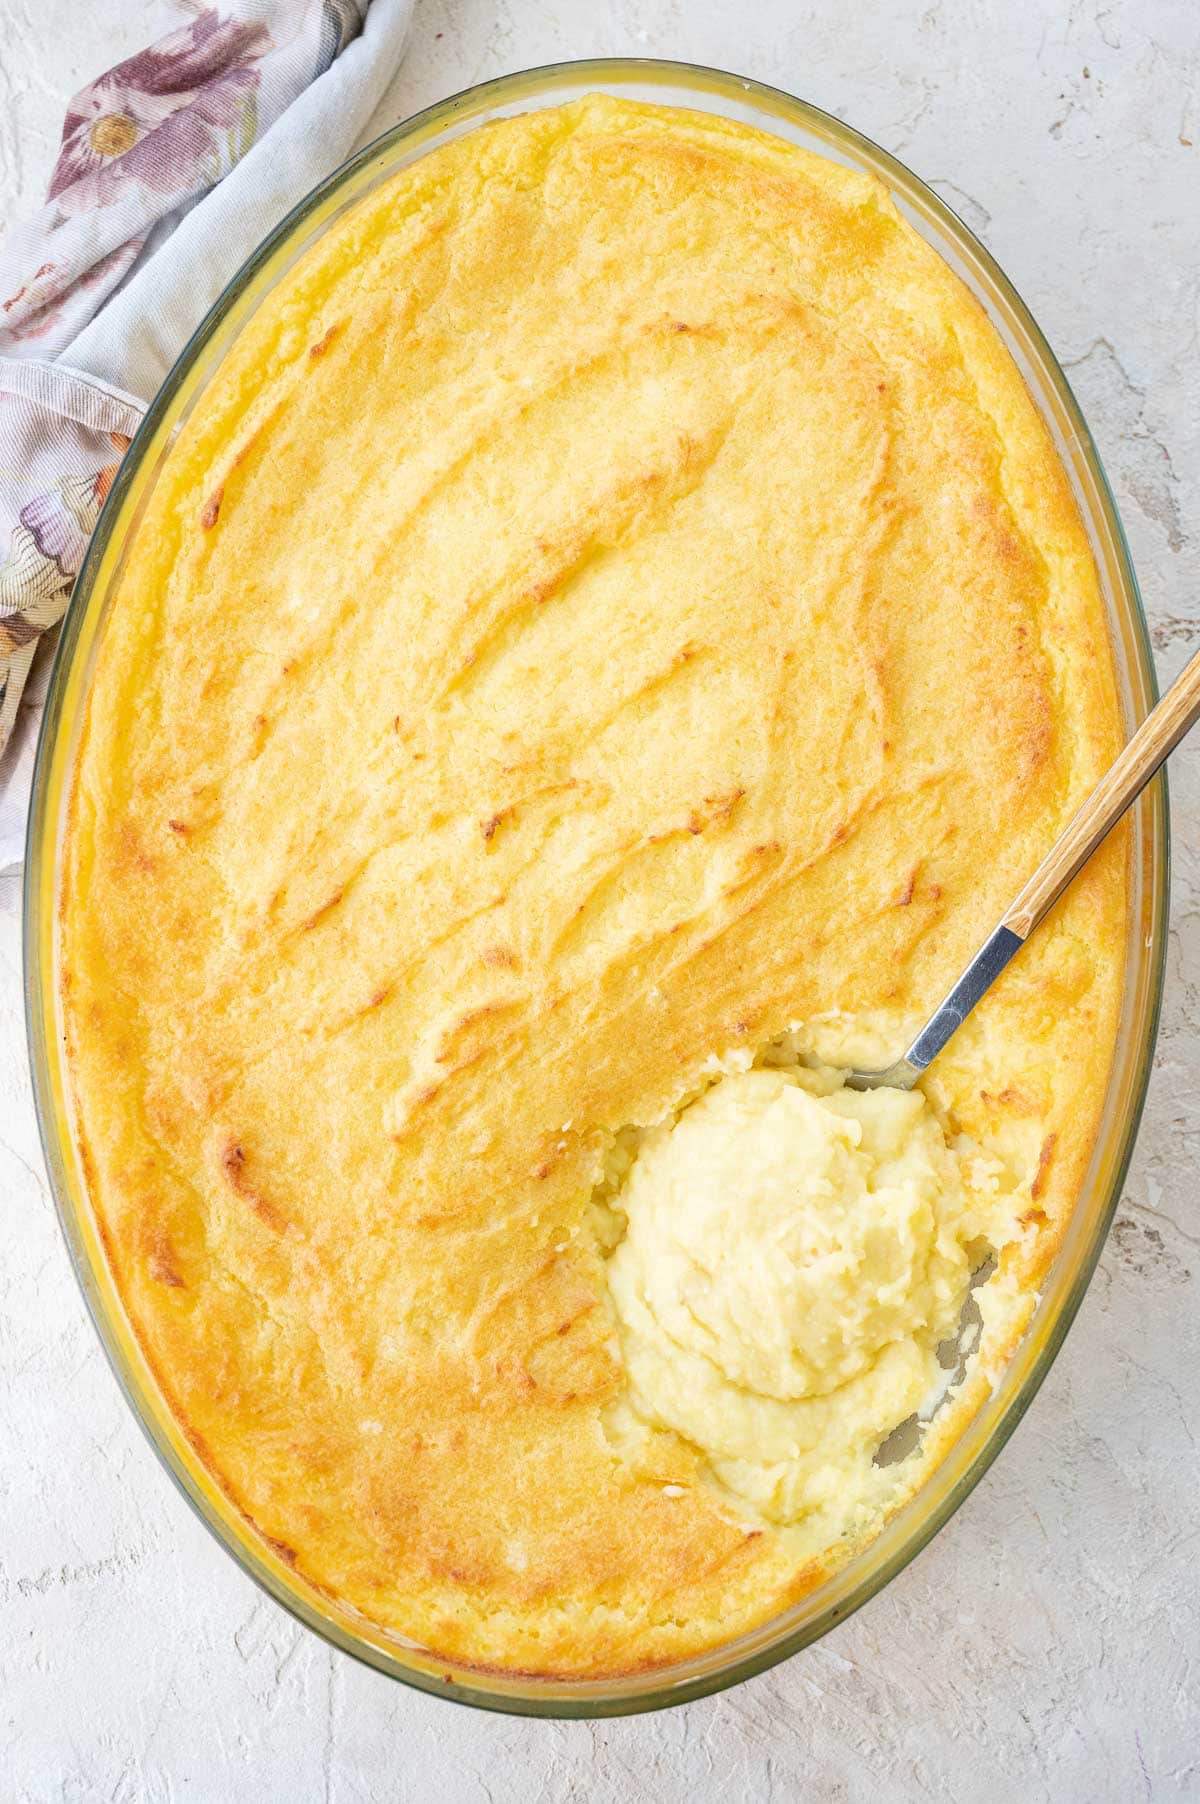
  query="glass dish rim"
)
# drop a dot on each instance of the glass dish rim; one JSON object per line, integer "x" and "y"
{"x": 722, "y": 1667}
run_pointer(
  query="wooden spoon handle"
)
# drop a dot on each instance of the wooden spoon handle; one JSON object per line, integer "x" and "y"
{"x": 1154, "y": 740}
{"x": 1125, "y": 779}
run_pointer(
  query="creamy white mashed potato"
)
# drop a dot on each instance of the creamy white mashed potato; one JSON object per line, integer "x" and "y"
{"x": 795, "y": 1254}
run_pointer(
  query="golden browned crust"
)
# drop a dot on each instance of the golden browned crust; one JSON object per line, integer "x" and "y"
{"x": 615, "y": 601}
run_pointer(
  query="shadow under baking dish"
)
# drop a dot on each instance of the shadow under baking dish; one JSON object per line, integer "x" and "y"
{"x": 911, "y": 1528}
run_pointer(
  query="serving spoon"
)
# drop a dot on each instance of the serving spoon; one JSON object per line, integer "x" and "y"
{"x": 1121, "y": 784}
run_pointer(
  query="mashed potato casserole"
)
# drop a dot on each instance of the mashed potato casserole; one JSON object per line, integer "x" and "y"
{"x": 609, "y": 642}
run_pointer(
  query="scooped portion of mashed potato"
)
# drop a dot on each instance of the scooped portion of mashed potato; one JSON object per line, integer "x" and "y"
{"x": 795, "y": 1253}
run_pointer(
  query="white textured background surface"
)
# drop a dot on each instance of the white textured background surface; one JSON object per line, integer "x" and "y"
{"x": 1047, "y": 1645}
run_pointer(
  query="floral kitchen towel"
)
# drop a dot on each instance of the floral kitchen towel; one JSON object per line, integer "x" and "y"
{"x": 173, "y": 166}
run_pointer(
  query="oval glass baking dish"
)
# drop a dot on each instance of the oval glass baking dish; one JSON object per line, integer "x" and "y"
{"x": 910, "y": 1529}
